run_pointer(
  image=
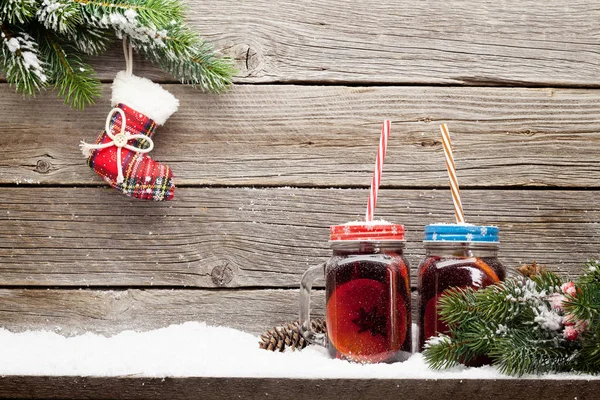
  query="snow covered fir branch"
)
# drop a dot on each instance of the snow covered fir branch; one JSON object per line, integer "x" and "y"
{"x": 46, "y": 43}
{"x": 528, "y": 325}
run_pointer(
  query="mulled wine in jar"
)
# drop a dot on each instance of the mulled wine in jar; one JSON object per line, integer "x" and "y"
{"x": 459, "y": 255}
{"x": 367, "y": 294}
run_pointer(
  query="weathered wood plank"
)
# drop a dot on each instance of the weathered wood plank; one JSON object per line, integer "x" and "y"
{"x": 258, "y": 237}
{"x": 108, "y": 312}
{"x": 20, "y": 387}
{"x": 400, "y": 41}
{"x": 327, "y": 136}
{"x": 71, "y": 312}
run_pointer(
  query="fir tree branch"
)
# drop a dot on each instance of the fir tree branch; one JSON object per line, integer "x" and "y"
{"x": 523, "y": 325}
{"x": 61, "y": 16}
{"x": 197, "y": 65}
{"x": 456, "y": 304}
{"x": 588, "y": 357}
{"x": 67, "y": 29}
{"x": 91, "y": 40}
{"x": 439, "y": 352}
{"x": 547, "y": 281}
{"x": 17, "y": 11}
{"x": 20, "y": 61}
{"x": 591, "y": 273}
{"x": 157, "y": 31}
{"x": 444, "y": 351}
{"x": 74, "y": 79}
{"x": 478, "y": 335}
{"x": 156, "y": 13}
{"x": 586, "y": 305}
{"x": 519, "y": 353}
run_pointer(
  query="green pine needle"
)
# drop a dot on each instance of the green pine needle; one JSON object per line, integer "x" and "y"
{"x": 443, "y": 352}
{"x": 61, "y": 16}
{"x": 548, "y": 281}
{"x": 157, "y": 13}
{"x": 201, "y": 67}
{"x": 591, "y": 273}
{"x": 521, "y": 353}
{"x": 20, "y": 61}
{"x": 456, "y": 304}
{"x": 74, "y": 79}
{"x": 91, "y": 40}
{"x": 586, "y": 305}
{"x": 588, "y": 360}
{"x": 56, "y": 35}
{"x": 515, "y": 324}
{"x": 17, "y": 11}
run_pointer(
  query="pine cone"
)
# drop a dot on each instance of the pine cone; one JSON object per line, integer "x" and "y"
{"x": 530, "y": 270}
{"x": 288, "y": 336}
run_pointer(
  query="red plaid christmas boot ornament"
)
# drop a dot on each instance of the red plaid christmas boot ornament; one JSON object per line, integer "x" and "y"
{"x": 120, "y": 154}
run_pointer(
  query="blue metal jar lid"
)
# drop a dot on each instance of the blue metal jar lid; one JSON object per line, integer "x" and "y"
{"x": 461, "y": 233}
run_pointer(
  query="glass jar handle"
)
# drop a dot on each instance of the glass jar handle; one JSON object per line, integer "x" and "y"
{"x": 306, "y": 283}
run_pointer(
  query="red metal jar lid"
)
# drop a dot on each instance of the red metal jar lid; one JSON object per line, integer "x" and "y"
{"x": 376, "y": 230}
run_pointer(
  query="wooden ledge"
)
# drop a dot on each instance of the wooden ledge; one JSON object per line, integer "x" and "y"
{"x": 21, "y": 387}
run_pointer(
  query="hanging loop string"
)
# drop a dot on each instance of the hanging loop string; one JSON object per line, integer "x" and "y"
{"x": 128, "y": 52}
{"x": 120, "y": 140}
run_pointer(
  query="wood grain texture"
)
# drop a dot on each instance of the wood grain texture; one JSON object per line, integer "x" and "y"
{"x": 84, "y": 258}
{"x": 219, "y": 237}
{"x": 327, "y": 136}
{"x": 21, "y": 387}
{"x": 550, "y": 43}
{"x": 108, "y": 312}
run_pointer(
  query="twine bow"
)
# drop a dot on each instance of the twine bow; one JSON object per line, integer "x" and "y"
{"x": 119, "y": 140}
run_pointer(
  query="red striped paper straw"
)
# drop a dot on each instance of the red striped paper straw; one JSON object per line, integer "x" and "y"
{"x": 451, "y": 167}
{"x": 375, "y": 181}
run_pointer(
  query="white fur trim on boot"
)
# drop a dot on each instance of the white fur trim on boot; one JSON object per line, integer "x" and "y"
{"x": 144, "y": 96}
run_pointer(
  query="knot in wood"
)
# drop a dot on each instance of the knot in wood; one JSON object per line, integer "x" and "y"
{"x": 430, "y": 143}
{"x": 253, "y": 59}
{"x": 43, "y": 167}
{"x": 221, "y": 275}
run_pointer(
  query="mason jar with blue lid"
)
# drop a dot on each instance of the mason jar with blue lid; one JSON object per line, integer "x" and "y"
{"x": 457, "y": 255}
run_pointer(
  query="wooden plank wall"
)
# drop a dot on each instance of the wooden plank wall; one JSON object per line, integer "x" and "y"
{"x": 263, "y": 170}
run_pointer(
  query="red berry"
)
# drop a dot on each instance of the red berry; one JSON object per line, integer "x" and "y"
{"x": 569, "y": 288}
{"x": 581, "y": 326}
{"x": 557, "y": 300}
{"x": 570, "y": 333}
{"x": 568, "y": 320}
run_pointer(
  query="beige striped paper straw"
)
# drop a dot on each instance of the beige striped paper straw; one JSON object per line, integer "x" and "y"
{"x": 447, "y": 143}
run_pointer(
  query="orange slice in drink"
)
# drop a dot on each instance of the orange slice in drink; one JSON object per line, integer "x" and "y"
{"x": 359, "y": 322}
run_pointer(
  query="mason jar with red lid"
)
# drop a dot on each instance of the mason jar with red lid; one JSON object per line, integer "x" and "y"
{"x": 367, "y": 294}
